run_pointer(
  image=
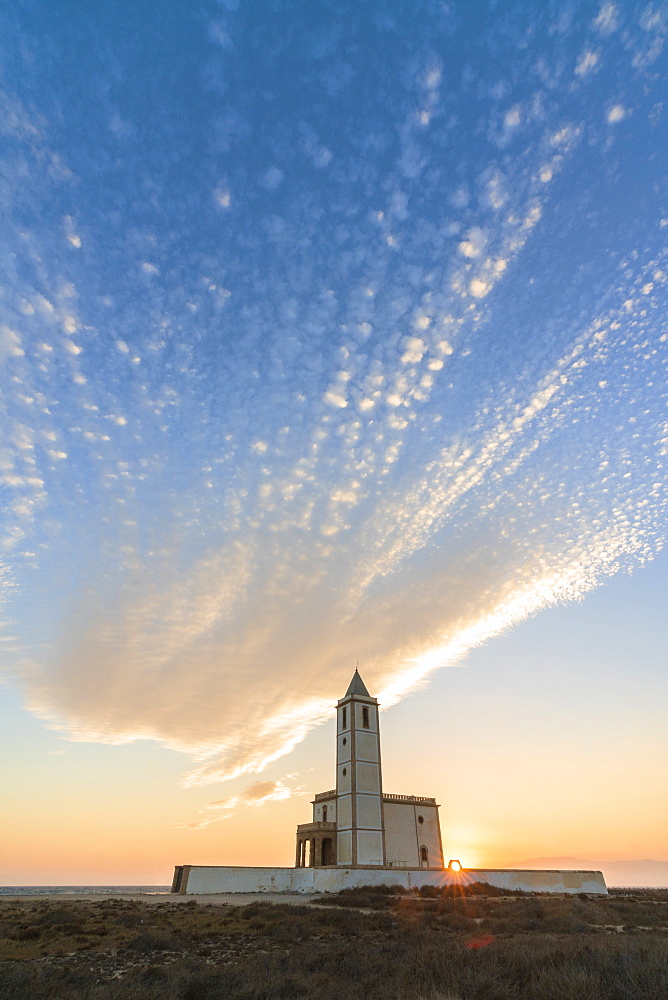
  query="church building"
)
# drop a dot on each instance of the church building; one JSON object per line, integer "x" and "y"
{"x": 357, "y": 824}
{"x": 361, "y": 835}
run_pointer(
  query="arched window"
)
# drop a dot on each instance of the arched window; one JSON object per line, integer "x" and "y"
{"x": 424, "y": 857}
{"x": 345, "y": 719}
{"x": 324, "y": 814}
{"x": 365, "y": 717}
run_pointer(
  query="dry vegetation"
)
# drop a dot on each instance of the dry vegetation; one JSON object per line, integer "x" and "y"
{"x": 373, "y": 945}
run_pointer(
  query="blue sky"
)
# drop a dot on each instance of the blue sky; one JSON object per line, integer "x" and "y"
{"x": 328, "y": 333}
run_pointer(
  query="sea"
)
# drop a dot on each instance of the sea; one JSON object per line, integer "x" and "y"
{"x": 83, "y": 890}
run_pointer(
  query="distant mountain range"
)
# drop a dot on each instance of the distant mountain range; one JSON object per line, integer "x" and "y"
{"x": 646, "y": 872}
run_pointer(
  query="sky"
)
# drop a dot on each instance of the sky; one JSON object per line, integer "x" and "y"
{"x": 330, "y": 333}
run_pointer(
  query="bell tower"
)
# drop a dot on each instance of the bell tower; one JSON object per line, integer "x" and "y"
{"x": 359, "y": 786}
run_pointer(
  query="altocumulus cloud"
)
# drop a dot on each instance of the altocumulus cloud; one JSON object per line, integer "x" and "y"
{"x": 396, "y": 397}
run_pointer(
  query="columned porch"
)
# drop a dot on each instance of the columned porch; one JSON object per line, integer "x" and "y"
{"x": 316, "y": 845}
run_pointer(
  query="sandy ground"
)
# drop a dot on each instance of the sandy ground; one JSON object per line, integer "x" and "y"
{"x": 218, "y": 899}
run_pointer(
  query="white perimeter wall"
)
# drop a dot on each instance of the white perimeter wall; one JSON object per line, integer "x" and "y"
{"x": 202, "y": 881}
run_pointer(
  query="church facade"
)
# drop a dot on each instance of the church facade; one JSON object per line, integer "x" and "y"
{"x": 361, "y": 835}
{"x": 357, "y": 824}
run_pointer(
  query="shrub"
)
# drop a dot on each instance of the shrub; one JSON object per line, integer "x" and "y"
{"x": 465, "y": 947}
{"x": 148, "y": 941}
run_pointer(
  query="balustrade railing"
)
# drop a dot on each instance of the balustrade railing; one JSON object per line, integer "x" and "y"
{"x": 319, "y": 796}
{"x": 408, "y": 798}
{"x": 393, "y": 864}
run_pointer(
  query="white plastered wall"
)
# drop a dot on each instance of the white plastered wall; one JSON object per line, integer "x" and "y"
{"x": 318, "y": 816}
{"x": 405, "y": 834}
{"x": 205, "y": 880}
{"x": 369, "y": 847}
{"x": 429, "y": 833}
{"x": 344, "y": 847}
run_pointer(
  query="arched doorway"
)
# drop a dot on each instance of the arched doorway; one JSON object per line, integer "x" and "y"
{"x": 424, "y": 857}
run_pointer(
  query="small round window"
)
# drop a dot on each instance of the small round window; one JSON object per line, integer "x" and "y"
{"x": 344, "y": 771}
{"x": 420, "y": 819}
{"x": 345, "y": 741}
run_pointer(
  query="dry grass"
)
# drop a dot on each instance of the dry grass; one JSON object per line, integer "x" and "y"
{"x": 471, "y": 947}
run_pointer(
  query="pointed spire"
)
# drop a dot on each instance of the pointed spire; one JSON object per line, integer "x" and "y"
{"x": 357, "y": 686}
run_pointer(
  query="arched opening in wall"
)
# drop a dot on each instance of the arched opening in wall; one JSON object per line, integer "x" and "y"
{"x": 365, "y": 717}
{"x": 308, "y": 854}
{"x": 324, "y": 814}
{"x": 345, "y": 719}
{"x": 326, "y": 851}
{"x": 424, "y": 857}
